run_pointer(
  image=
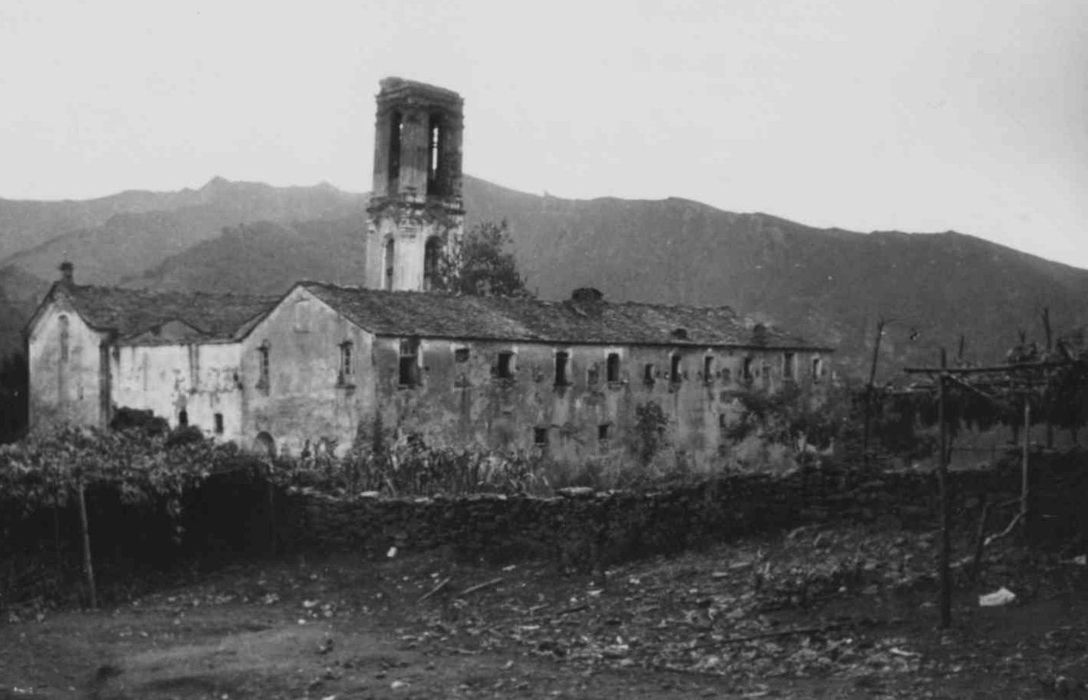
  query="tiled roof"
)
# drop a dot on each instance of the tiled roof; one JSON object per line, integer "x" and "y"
{"x": 132, "y": 312}
{"x": 567, "y": 322}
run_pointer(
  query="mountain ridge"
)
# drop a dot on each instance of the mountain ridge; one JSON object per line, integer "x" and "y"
{"x": 828, "y": 284}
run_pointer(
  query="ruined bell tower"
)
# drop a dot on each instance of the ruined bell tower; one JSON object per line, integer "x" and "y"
{"x": 416, "y": 213}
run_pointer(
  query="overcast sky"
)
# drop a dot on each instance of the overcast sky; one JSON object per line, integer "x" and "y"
{"x": 924, "y": 115}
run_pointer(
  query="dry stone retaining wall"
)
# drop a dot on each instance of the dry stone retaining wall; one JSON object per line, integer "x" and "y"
{"x": 581, "y": 528}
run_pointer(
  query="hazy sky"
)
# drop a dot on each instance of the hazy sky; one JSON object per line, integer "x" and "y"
{"x": 924, "y": 115}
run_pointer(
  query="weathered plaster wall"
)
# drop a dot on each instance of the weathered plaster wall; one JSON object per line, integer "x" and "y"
{"x": 201, "y": 379}
{"x": 305, "y": 398}
{"x": 66, "y": 386}
{"x": 409, "y": 228}
{"x": 460, "y": 400}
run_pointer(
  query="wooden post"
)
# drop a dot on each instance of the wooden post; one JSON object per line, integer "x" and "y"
{"x": 88, "y": 568}
{"x": 869, "y": 392}
{"x": 945, "y": 505}
{"x": 1049, "y": 355}
{"x": 1024, "y": 468}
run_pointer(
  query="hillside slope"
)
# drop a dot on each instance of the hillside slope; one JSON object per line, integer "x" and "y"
{"x": 132, "y": 241}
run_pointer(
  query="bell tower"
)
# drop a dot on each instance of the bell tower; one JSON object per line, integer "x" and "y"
{"x": 416, "y": 214}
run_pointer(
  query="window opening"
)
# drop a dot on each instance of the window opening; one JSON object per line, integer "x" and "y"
{"x": 432, "y": 253}
{"x": 266, "y": 444}
{"x": 302, "y": 316}
{"x": 562, "y": 368}
{"x": 263, "y": 366}
{"x": 396, "y": 127}
{"x": 787, "y": 365}
{"x": 63, "y": 321}
{"x": 612, "y": 367}
{"x": 540, "y": 437}
{"x": 746, "y": 371}
{"x": 817, "y": 368}
{"x": 390, "y": 249}
{"x": 708, "y": 369}
{"x": 183, "y": 418}
{"x": 604, "y": 431}
{"x": 347, "y": 360}
{"x": 218, "y": 423}
{"x": 648, "y": 373}
{"x": 675, "y": 368}
{"x": 408, "y": 368}
{"x": 461, "y": 355}
{"x": 505, "y": 365}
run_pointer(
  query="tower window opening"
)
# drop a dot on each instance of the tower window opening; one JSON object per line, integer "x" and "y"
{"x": 183, "y": 418}
{"x": 396, "y": 127}
{"x": 708, "y": 369}
{"x": 676, "y": 370}
{"x": 435, "y": 136}
{"x": 218, "y": 423}
{"x": 390, "y": 250}
{"x": 432, "y": 255}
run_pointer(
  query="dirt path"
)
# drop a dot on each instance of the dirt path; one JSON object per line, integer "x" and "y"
{"x": 232, "y": 651}
{"x": 719, "y": 623}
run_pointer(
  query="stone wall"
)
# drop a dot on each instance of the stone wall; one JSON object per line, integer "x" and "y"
{"x": 235, "y": 516}
{"x": 583, "y": 529}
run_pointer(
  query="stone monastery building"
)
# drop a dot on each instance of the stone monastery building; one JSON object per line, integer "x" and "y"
{"x": 323, "y": 363}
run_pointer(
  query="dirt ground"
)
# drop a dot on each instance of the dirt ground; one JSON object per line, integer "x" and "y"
{"x": 834, "y": 612}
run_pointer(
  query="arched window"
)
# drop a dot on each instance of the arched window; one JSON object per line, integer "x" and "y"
{"x": 432, "y": 255}
{"x": 62, "y": 321}
{"x": 390, "y": 251}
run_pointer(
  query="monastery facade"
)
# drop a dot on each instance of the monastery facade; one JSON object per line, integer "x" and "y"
{"x": 323, "y": 365}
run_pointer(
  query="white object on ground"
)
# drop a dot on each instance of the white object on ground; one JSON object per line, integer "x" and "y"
{"x": 1002, "y": 596}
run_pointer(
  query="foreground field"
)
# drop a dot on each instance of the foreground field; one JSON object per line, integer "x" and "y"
{"x": 841, "y": 612}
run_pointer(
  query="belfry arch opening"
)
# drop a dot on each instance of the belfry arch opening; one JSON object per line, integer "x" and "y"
{"x": 396, "y": 128}
{"x": 436, "y": 171}
{"x": 388, "y": 263}
{"x": 432, "y": 260}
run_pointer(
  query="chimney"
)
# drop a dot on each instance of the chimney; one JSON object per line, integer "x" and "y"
{"x": 67, "y": 271}
{"x": 586, "y": 295}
